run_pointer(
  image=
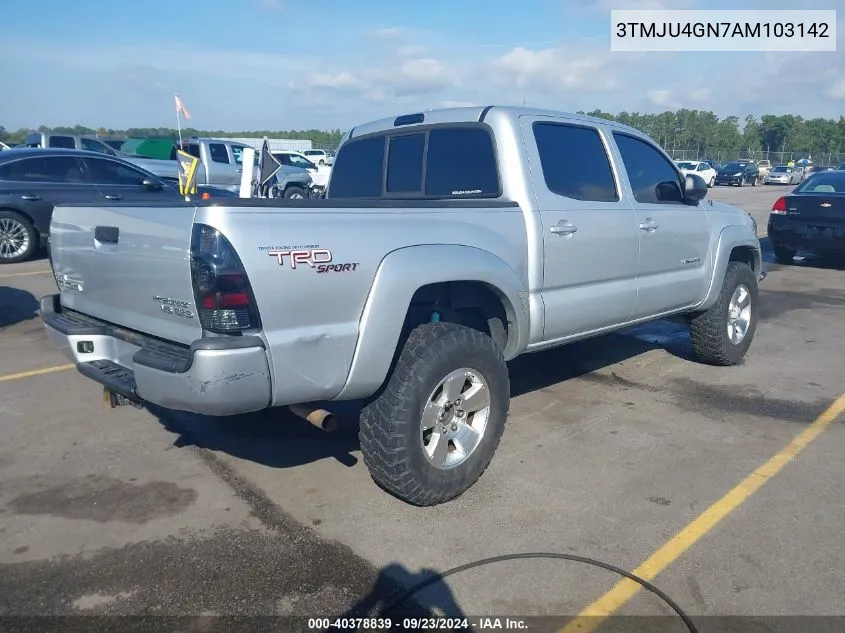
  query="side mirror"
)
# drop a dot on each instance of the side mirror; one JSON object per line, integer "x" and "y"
{"x": 148, "y": 183}
{"x": 694, "y": 188}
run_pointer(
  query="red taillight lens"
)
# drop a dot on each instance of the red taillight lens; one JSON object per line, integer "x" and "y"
{"x": 779, "y": 207}
{"x": 222, "y": 292}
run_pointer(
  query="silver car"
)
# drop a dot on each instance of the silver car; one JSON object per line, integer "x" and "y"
{"x": 782, "y": 175}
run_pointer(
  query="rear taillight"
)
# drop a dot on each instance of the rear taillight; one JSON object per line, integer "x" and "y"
{"x": 224, "y": 298}
{"x": 779, "y": 207}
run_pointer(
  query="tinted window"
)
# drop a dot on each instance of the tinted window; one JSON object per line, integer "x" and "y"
{"x": 460, "y": 162}
{"x": 65, "y": 142}
{"x": 191, "y": 148}
{"x": 218, "y": 153}
{"x": 358, "y": 169}
{"x": 574, "y": 162}
{"x": 651, "y": 175}
{"x": 238, "y": 154}
{"x": 65, "y": 169}
{"x": 109, "y": 172}
{"x": 93, "y": 145}
{"x": 405, "y": 163}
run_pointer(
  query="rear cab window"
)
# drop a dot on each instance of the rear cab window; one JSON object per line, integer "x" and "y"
{"x": 63, "y": 142}
{"x": 419, "y": 163}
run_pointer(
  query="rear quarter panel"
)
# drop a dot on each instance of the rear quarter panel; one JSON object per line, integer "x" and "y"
{"x": 311, "y": 318}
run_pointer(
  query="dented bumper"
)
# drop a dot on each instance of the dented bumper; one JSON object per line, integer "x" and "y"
{"x": 215, "y": 376}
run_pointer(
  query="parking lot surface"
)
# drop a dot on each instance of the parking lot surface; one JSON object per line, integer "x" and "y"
{"x": 613, "y": 447}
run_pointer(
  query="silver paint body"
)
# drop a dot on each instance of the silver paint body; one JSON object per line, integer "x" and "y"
{"x": 333, "y": 335}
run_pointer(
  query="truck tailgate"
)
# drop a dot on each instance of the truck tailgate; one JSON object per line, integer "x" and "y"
{"x": 128, "y": 265}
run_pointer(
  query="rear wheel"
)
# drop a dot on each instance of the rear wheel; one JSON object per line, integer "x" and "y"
{"x": 434, "y": 429}
{"x": 722, "y": 334}
{"x": 18, "y": 238}
{"x": 783, "y": 254}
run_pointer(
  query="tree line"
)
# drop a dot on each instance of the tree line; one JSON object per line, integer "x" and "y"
{"x": 699, "y": 130}
{"x": 318, "y": 137}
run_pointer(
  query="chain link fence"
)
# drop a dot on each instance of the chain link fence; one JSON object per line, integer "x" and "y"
{"x": 776, "y": 158}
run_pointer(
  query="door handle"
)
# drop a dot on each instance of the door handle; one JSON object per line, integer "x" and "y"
{"x": 563, "y": 228}
{"x": 30, "y": 196}
{"x": 649, "y": 225}
{"x": 113, "y": 196}
{"x": 107, "y": 234}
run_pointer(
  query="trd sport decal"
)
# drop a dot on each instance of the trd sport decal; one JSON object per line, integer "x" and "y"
{"x": 316, "y": 258}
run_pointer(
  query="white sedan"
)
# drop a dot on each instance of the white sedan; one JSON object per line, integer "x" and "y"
{"x": 707, "y": 173}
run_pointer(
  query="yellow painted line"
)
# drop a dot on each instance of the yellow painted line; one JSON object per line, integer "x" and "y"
{"x": 591, "y": 618}
{"x": 35, "y": 372}
{"x": 26, "y": 274}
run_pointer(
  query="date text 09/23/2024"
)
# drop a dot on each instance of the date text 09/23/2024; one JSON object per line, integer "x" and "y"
{"x": 417, "y": 624}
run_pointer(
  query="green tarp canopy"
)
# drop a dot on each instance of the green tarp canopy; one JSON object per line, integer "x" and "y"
{"x": 149, "y": 147}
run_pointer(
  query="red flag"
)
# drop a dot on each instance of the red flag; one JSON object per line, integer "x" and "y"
{"x": 180, "y": 107}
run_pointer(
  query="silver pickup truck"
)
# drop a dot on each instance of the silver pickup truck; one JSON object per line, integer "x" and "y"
{"x": 221, "y": 165}
{"x": 410, "y": 286}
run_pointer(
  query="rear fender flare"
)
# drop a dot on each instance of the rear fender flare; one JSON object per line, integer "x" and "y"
{"x": 400, "y": 274}
{"x": 730, "y": 238}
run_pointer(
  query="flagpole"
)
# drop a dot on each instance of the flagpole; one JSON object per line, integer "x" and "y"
{"x": 178, "y": 123}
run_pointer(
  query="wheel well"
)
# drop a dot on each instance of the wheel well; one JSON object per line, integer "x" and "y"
{"x": 472, "y": 303}
{"x": 745, "y": 255}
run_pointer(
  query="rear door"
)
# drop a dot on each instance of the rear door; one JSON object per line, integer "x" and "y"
{"x": 588, "y": 228}
{"x": 674, "y": 237}
{"x": 221, "y": 167}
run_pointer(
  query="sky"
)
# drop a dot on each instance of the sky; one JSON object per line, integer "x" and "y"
{"x": 327, "y": 64}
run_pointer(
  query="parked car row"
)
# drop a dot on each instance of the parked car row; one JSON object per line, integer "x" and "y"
{"x": 33, "y": 181}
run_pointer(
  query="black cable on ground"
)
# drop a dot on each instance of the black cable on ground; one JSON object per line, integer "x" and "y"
{"x": 571, "y": 557}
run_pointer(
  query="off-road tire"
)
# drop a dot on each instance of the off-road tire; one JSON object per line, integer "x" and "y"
{"x": 709, "y": 329}
{"x": 390, "y": 424}
{"x": 32, "y": 235}
{"x": 783, "y": 255}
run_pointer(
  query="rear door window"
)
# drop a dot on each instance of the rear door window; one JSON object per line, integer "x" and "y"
{"x": 45, "y": 169}
{"x": 575, "y": 162}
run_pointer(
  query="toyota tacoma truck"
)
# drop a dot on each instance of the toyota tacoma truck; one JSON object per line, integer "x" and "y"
{"x": 410, "y": 286}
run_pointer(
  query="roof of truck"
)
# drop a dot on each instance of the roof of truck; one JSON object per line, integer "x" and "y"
{"x": 467, "y": 114}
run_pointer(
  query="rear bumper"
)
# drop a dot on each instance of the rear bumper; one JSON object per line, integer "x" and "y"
{"x": 213, "y": 376}
{"x": 793, "y": 234}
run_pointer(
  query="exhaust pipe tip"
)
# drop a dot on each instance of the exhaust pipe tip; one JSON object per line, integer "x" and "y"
{"x": 320, "y": 418}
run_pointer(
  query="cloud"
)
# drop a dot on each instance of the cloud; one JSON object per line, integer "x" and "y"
{"x": 662, "y": 98}
{"x": 389, "y": 33}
